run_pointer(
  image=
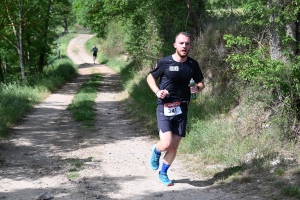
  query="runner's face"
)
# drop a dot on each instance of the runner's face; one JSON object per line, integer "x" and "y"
{"x": 182, "y": 45}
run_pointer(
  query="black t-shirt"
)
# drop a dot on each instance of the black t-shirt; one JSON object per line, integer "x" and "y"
{"x": 95, "y": 49}
{"x": 175, "y": 77}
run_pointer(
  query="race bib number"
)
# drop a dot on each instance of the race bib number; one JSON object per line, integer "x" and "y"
{"x": 172, "y": 109}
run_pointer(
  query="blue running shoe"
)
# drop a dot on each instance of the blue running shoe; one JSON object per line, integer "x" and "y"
{"x": 164, "y": 179}
{"x": 154, "y": 160}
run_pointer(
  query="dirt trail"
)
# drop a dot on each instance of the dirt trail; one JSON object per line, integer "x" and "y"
{"x": 115, "y": 153}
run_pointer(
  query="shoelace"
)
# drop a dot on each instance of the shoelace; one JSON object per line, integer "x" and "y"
{"x": 156, "y": 158}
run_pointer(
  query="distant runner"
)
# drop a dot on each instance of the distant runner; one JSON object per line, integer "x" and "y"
{"x": 95, "y": 50}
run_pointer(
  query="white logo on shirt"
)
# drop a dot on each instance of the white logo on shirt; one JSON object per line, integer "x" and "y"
{"x": 174, "y": 68}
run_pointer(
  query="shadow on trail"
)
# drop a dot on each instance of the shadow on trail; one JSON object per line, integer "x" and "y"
{"x": 88, "y": 65}
{"x": 100, "y": 187}
{"x": 222, "y": 175}
{"x": 110, "y": 84}
{"x": 104, "y": 61}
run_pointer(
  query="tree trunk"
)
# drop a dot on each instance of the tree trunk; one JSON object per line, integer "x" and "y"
{"x": 20, "y": 49}
{"x": 66, "y": 25}
{"x": 275, "y": 43}
{"x": 192, "y": 17}
{"x": 297, "y": 35}
{"x": 1, "y": 70}
{"x": 27, "y": 55}
{"x": 18, "y": 36}
{"x": 42, "y": 58}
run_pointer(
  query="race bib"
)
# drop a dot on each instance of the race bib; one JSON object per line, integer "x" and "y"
{"x": 172, "y": 109}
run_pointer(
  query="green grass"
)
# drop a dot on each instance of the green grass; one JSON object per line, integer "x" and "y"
{"x": 75, "y": 163}
{"x": 82, "y": 105}
{"x": 74, "y": 166}
{"x": 73, "y": 169}
{"x": 291, "y": 191}
{"x": 72, "y": 175}
{"x": 16, "y": 99}
{"x": 90, "y": 158}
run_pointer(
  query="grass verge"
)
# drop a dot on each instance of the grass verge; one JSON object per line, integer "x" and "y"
{"x": 82, "y": 105}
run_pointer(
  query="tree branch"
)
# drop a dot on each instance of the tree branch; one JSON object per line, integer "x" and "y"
{"x": 10, "y": 42}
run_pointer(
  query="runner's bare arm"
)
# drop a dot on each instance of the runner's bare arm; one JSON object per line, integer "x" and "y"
{"x": 153, "y": 86}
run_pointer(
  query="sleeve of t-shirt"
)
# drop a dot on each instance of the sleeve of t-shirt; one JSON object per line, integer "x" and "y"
{"x": 159, "y": 69}
{"x": 198, "y": 76}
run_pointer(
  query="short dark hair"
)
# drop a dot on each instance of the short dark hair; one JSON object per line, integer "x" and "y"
{"x": 183, "y": 33}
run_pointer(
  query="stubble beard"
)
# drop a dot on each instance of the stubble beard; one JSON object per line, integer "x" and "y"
{"x": 182, "y": 55}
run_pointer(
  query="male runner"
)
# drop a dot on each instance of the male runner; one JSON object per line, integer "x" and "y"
{"x": 173, "y": 93}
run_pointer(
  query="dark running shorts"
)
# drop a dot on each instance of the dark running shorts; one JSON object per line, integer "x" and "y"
{"x": 176, "y": 124}
{"x": 95, "y": 54}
